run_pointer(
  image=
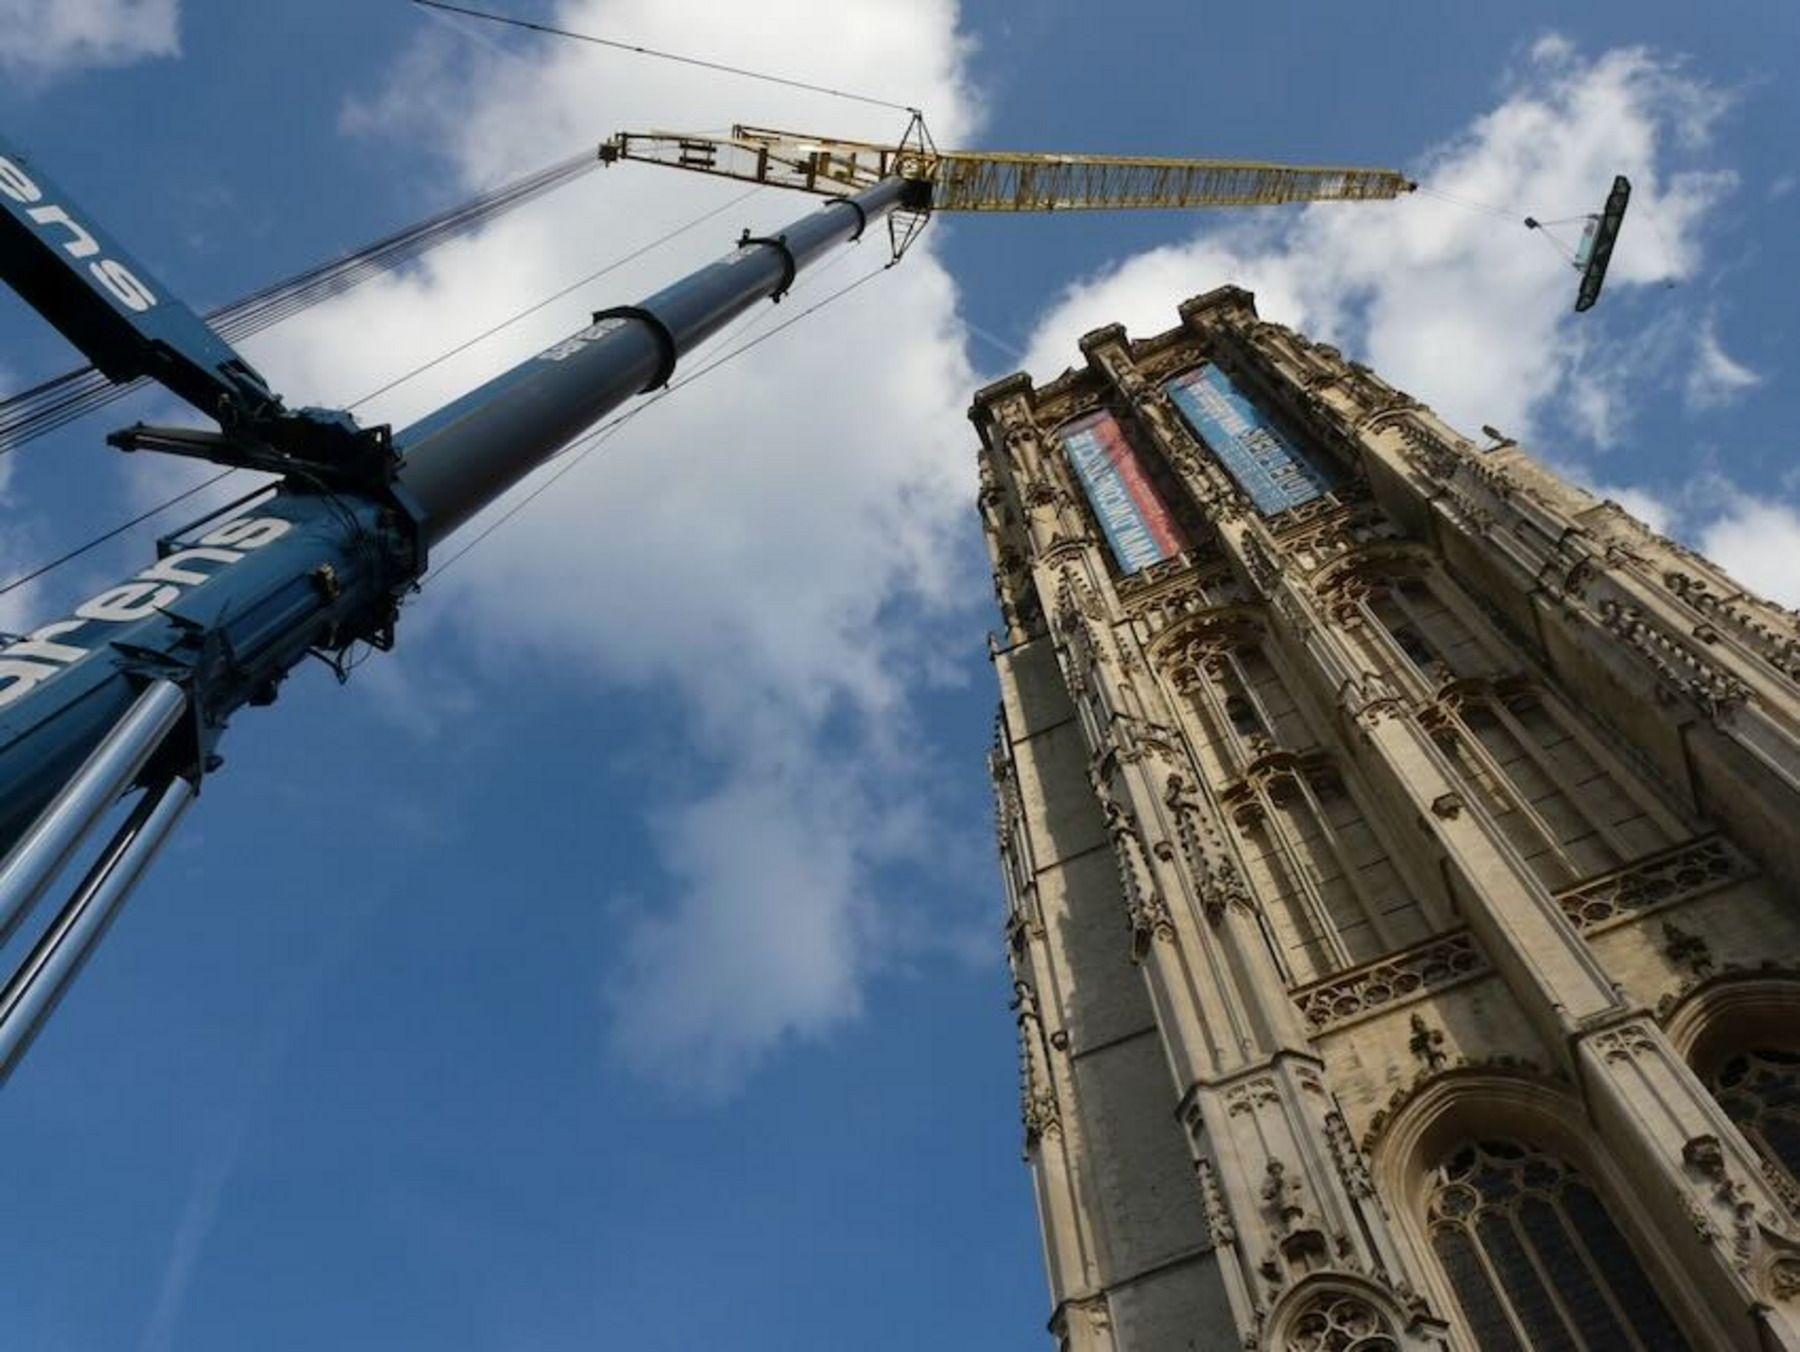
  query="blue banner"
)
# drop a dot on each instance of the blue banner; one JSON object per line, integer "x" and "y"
{"x": 1263, "y": 462}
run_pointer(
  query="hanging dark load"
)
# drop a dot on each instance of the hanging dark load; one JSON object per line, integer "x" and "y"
{"x": 1594, "y": 252}
{"x": 1597, "y": 243}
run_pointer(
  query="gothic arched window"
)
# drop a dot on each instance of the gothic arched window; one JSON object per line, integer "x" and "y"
{"x": 1534, "y": 1259}
{"x": 1760, "y": 1092}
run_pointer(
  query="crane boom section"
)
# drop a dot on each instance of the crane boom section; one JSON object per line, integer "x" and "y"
{"x": 964, "y": 180}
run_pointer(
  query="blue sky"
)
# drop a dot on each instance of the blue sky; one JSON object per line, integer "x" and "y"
{"x": 618, "y": 963}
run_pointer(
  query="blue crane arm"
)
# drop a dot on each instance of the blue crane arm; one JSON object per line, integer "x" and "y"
{"x": 107, "y": 303}
{"x": 230, "y": 608}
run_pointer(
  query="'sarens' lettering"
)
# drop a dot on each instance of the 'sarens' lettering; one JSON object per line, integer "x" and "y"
{"x": 114, "y": 277}
{"x": 42, "y": 653}
{"x": 569, "y": 346}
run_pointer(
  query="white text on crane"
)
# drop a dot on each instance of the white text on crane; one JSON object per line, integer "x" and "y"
{"x": 44, "y": 652}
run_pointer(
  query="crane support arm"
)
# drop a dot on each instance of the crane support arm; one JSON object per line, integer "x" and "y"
{"x": 108, "y": 304}
{"x": 961, "y": 180}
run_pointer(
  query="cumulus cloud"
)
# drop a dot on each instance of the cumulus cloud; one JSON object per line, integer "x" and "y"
{"x": 1444, "y": 291}
{"x": 778, "y": 551}
{"x": 1757, "y": 542}
{"x": 50, "y": 38}
{"x": 1715, "y": 378}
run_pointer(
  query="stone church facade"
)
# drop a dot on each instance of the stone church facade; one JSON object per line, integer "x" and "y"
{"x": 1402, "y": 854}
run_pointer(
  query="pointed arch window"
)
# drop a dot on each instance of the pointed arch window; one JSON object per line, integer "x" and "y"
{"x": 1534, "y": 1259}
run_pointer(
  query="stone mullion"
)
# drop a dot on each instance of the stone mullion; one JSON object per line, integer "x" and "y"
{"x": 1425, "y": 631}
{"x": 1551, "y": 970}
{"x": 1738, "y": 1240}
{"x": 1240, "y": 744}
{"x": 1346, "y": 866}
{"x": 1207, "y": 688}
{"x": 1302, "y": 886}
{"x": 1528, "y": 743}
{"x": 1504, "y": 786}
{"x": 1400, "y": 666}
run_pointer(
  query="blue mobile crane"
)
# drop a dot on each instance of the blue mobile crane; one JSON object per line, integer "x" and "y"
{"x": 131, "y": 692}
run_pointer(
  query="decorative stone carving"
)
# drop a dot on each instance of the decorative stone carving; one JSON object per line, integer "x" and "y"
{"x": 1218, "y": 1216}
{"x": 1686, "y": 950}
{"x": 1682, "y": 671}
{"x": 1427, "y": 452}
{"x": 1624, "y": 1044}
{"x": 1038, "y": 1108}
{"x": 1705, "y": 1159}
{"x": 1784, "y": 1278}
{"x": 1264, "y": 571}
{"x": 1246, "y": 1098}
{"x": 1427, "y": 1044}
{"x": 1145, "y": 908}
{"x": 1351, "y": 1165}
{"x": 1512, "y": 1065}
{"x": 1413, "y": 972}
{"x": 1336, "y": 1321}
{"x": 1752, "y": 622}
{"x": 1284, "y": 1197}
{"x": 1673, "y": 875}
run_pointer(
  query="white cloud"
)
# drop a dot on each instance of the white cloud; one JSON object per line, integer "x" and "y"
{"x": 775, "y": 551}
{"x": 1715, "y": 378}
{"x": 1646, "y": 506}
{"x": 47, "y": 37}
{"x": 1462, "y": 306}
{"x": 1758, "y": 543}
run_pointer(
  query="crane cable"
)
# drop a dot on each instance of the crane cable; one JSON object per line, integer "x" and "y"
{"x": 54, "y": 403}
{"x": 1531, "y": 223}
{"x": 14, "y": 583}
{"x": 512, "y": 22}
{"x": 617, "y": 263}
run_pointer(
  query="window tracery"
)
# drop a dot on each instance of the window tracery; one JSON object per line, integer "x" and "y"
{"x": 1397, "y": 598}
{"x": 1760, "y": 1091}
{"x": 1534, "y": 1259}
{"x": 1331, "y": 894}
{"x": 1550, "y": 791}
{"x": 1335, "y": 1321}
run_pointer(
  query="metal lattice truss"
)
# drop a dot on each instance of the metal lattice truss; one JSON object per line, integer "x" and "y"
{"x": 964, "y": 180}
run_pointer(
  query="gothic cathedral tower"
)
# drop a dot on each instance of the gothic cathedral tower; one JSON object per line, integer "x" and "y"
{"x": 1402, "y": 851}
